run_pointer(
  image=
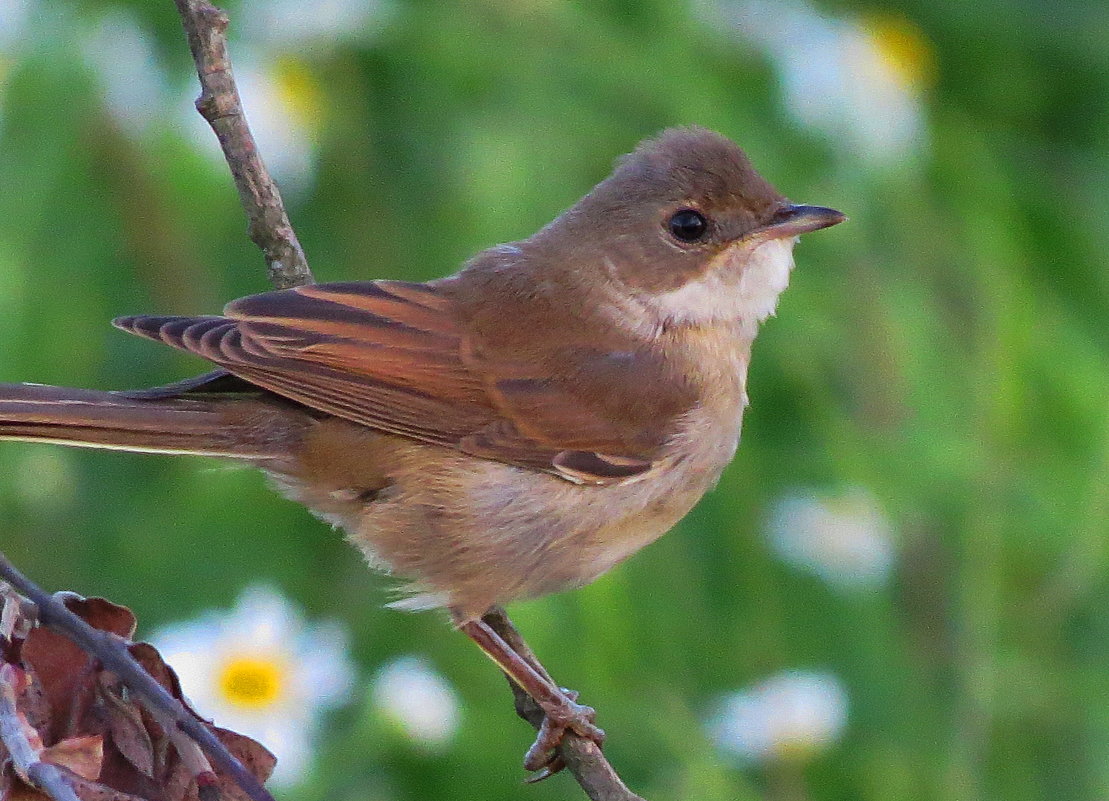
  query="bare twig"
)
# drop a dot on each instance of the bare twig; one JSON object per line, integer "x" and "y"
{"x": 219, "y": 104}
{"x": 24, "y": 755}
{"x": 112, "y": 652}
{"x": 273, "y": 233}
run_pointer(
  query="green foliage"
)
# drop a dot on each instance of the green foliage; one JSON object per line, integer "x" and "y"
{"x": 947, "y": 350}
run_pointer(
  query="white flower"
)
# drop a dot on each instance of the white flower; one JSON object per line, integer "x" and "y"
{"x": 275, "y": 52}
{"x": 846, "y": 540}
{"x": 412, "y": 696}
{"x": 260, "y": 670}
{"x": 120, "y": 52}
{"x": 857, "y": 82}
{"x": 14, "y": 15}
{"x": 791, "y": 715}
{"x": 312, "y": 27}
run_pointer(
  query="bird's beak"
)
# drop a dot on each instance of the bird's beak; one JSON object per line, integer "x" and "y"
{"x": 796, "y": 220}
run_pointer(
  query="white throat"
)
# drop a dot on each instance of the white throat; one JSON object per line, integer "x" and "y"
{"x": 739, "y": 285}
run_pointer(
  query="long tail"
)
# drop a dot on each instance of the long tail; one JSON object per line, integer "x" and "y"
{"x": 237, "y": 427}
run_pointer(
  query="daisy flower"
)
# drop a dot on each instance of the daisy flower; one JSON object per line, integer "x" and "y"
{"x": 413, "y": 698}
{"x": 277, "y": 49}
{"x": 792, "y": 716}
{"x": 119, "y": 51}
{"x": 859, "y": 82}
{"x": 260, "y": 670}
{"x": 844, "y": 539}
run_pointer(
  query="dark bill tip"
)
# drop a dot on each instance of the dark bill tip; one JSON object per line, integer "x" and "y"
{"x": 796, "y": 220}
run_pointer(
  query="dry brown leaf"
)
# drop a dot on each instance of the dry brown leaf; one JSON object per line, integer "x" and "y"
{"x": 147, "y": 656}
{"x": 86, "y": 791}
{"x": 65, "y": 671}
{"x": 18, "y": 791}
{"x": 81, "y": 755}
{"x": 31, "y": 700}
{"x": 126, "y": 729}
{"x": 181, "y": 786}
{"x": 102, "y": 614}
{"x": 95, "y": 791}
{"x": 108, "y": 745}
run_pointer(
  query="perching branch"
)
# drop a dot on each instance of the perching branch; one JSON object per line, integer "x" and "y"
{"x": 112, "y": 651}
{"x": 271, "y": 230}
{"x": 219, "y": 104}
{"x": 581, "y": 756}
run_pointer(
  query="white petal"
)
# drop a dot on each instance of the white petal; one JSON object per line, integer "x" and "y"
{"x": 265, "y": 626}
{"x": 792, "y": 712}
{"x": 411, "y": 694}
{"x": 844, "y": 539}
{"x": 121, "y": 54}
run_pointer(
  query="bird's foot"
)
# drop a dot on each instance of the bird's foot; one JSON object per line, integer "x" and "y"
{"x": 565, "y": 716}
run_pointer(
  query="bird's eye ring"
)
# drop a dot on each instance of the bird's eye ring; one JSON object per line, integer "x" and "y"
{"x": 688, "y": 225}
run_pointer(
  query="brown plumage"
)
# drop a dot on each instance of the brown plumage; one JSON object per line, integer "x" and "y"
{"x": 402, "y": 359}
{"x": 509, "y": 431}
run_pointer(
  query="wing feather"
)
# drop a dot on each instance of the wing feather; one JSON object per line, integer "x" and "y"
{"x": 395, "y": 356}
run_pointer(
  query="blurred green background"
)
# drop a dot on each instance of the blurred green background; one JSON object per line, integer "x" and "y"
{"x": 944, "y": 357}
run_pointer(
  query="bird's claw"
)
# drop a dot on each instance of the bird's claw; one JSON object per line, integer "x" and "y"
{"x": 567, "y": 716}
{"x": 547, "y": 771}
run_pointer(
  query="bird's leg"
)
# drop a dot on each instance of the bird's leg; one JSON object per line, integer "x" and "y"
{"x": 561, "y": 711}
{"x": 498, "y": 620}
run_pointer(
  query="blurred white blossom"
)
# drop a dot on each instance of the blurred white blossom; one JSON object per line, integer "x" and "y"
{"x": 283, "y": 101}
{"x": 859, "y": 82}
{"x": 312, "y": 27}
{"x": 276, "y": 54}
{"x": 13, "y": 20}
{"x": 260, "y": 670}
{"x": 413, "y": 697}
{"x": 792, "y": 715}
{"x": 277, "y": 50}
{"x": 844, "y": 539}
{"x": 120, "y": 52}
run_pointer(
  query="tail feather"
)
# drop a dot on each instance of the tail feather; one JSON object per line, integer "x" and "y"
{"x": 244, "y": 428}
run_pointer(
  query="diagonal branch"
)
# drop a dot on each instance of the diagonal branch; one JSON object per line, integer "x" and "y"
{"x": 219, "y": 103}
{"x": 112, "y": 652}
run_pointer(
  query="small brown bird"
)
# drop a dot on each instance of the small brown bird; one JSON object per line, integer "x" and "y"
{"x": 512, "y": 430}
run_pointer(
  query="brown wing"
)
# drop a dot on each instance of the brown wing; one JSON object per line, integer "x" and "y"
{"x": 392, "y": 355}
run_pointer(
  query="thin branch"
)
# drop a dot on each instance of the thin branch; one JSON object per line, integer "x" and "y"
{"x": 271, "y": 230}
{"x": 581, "y": 756}
{"x": 24, "y": 755}
{"x": 219, "y": 103}
{"x": 112, "y": 652}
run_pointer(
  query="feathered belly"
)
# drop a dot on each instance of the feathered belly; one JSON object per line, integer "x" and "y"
{"x": 471, "y": 533}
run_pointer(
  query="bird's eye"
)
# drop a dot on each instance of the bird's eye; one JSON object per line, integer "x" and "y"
{"x": 688, "y": 225}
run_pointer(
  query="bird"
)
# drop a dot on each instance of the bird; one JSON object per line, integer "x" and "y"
{"x": 512, "y": 430}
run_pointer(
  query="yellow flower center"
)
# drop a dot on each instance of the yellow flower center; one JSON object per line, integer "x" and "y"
{"x": 795, "y": 749}
{"x": 300, "y": 93}
{"x": 251, "y": 682}
{"x": 904, "y": 48}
